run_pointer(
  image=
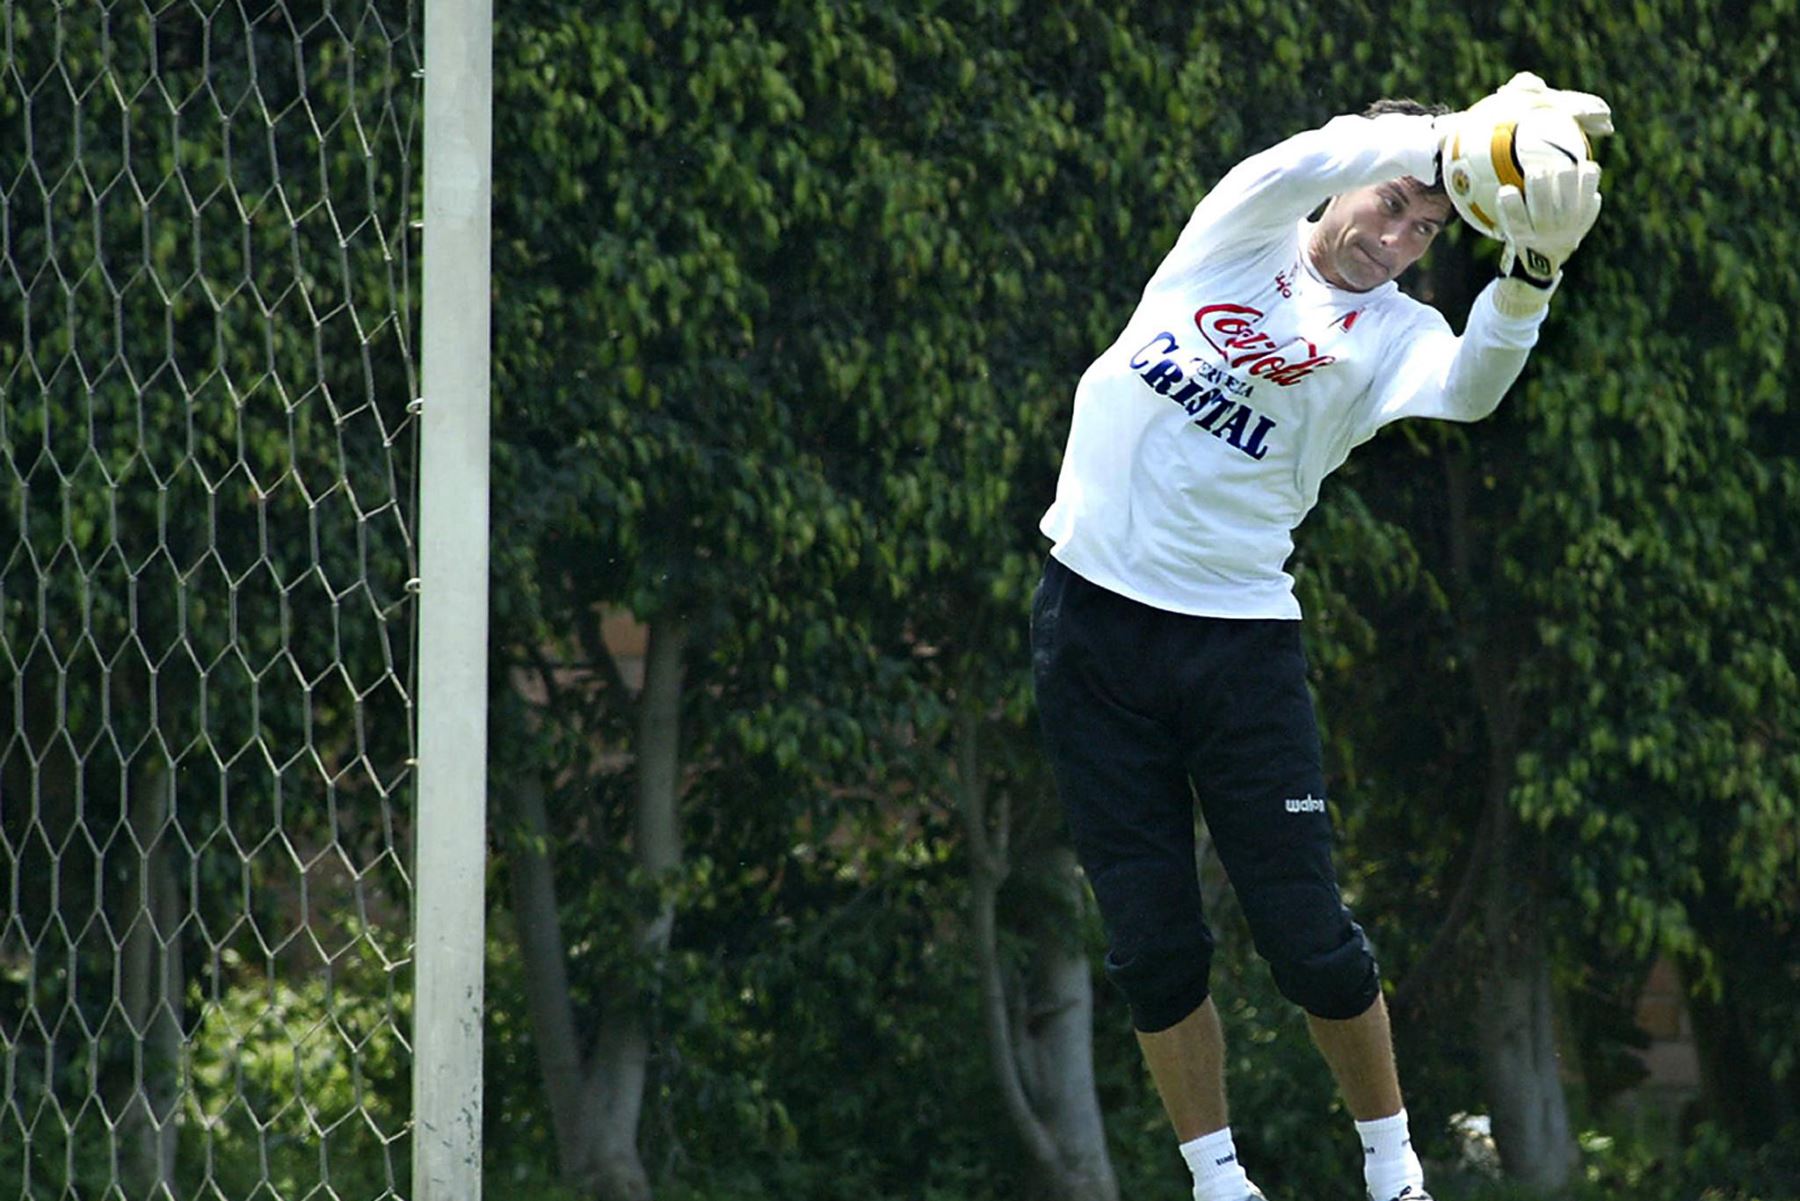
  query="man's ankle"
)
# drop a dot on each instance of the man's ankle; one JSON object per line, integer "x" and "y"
{"x": 1389, "y": 1163}
{"x": 1218, "y": 1176}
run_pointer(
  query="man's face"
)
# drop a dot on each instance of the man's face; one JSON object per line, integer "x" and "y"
{"x": 1371, "y": 235}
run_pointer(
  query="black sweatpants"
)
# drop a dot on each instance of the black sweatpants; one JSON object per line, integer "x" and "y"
{"x": 1142, "y": 711}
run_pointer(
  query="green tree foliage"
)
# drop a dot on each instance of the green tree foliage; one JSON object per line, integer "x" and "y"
{"x": 791, "y": 300}
{"x": 911, "y": 233}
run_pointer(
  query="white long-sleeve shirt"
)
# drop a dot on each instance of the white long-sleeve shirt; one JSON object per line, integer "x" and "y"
{"x": 1200, "y": 438}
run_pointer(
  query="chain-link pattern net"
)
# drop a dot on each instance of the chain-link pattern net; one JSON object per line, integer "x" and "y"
{"x": 205, "y": 622}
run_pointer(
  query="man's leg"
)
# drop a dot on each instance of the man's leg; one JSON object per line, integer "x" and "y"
{"x": 1263, "y": 789}
{"x": 1360, "y": 1051}
{"x": 1187, "y": 1062}
{"x": 1098, "y": 669}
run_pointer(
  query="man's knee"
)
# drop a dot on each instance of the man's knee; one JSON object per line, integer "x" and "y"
{"x": 1159, "y": 951}
{"x": 1163, "y": 975}
{"x": 1338, "y": 982}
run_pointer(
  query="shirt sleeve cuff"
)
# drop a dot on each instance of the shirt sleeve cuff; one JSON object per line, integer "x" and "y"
{"x": 1521, "y": 303}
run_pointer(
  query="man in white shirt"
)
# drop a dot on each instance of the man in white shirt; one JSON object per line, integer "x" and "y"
{"x": 1166, "y": 644}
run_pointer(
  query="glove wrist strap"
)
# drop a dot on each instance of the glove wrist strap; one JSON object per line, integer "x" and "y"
{"x": 1516, "y": 270}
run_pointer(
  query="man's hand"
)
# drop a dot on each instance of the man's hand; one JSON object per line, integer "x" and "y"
{"x": 1511, "y": 100}
{"x": 1526, "y": 90}
{"x": 1542, "y": 235}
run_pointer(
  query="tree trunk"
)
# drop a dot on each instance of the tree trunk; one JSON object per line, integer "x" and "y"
{"x": 1039, "y": 1020}
{"x": 1053, "y": 1028}
{"x": 1516, "y": 1040}
{"x": 547, "y": 1000}
{"x": 151, "y": 987}
{"x": 1519, "y": 1060}
{"x": 596, "y": 1101}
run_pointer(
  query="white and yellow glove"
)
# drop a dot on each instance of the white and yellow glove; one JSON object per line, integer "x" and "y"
{"x": 1565, "y": 201}
{"x": 1540, "y": 237}
{"x": 1526, "y": 90}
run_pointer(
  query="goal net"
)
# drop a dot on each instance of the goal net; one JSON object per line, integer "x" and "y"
{"x": 207, "y": 352}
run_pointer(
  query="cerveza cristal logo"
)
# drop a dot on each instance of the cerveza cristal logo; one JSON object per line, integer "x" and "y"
{"x": 1208, "y": 392}
{"x": 1231, "y": 330}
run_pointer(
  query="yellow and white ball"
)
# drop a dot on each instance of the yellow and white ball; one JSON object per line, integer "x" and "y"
{"x": 1483, "y": 155}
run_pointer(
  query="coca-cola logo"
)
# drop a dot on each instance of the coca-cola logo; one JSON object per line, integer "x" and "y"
{"x": 1232, "y": 330}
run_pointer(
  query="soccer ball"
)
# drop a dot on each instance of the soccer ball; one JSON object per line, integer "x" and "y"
{"x": 1481, "y": 156}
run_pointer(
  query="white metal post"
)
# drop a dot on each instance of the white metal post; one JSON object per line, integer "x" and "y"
{"x": 450, "y": 825}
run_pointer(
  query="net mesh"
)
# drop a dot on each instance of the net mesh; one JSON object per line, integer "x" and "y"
{"x": 206, "y": 356}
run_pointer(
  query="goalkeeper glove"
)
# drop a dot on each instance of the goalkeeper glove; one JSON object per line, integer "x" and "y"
{"x": 1541, "y": 236}
{"x": 1526, "y": 90}
{"x": 1511, "y": 100}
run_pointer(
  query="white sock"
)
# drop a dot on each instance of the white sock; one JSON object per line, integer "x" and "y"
{"x": 1389, "y": 1165}
{"x": 1218, "y": 1176}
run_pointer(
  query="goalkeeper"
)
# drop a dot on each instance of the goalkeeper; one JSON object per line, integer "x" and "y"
{"x": 1166, "y": 640}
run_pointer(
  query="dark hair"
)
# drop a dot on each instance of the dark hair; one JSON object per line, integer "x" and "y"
{"x": 1407, "y": 105}
{"x": 1411, "y": 108}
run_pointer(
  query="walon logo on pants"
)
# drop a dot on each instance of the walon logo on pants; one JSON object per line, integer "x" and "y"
{"x": 1306, "y": 804}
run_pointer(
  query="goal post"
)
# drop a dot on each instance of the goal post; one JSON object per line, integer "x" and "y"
{"x": 453, "y": 606}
